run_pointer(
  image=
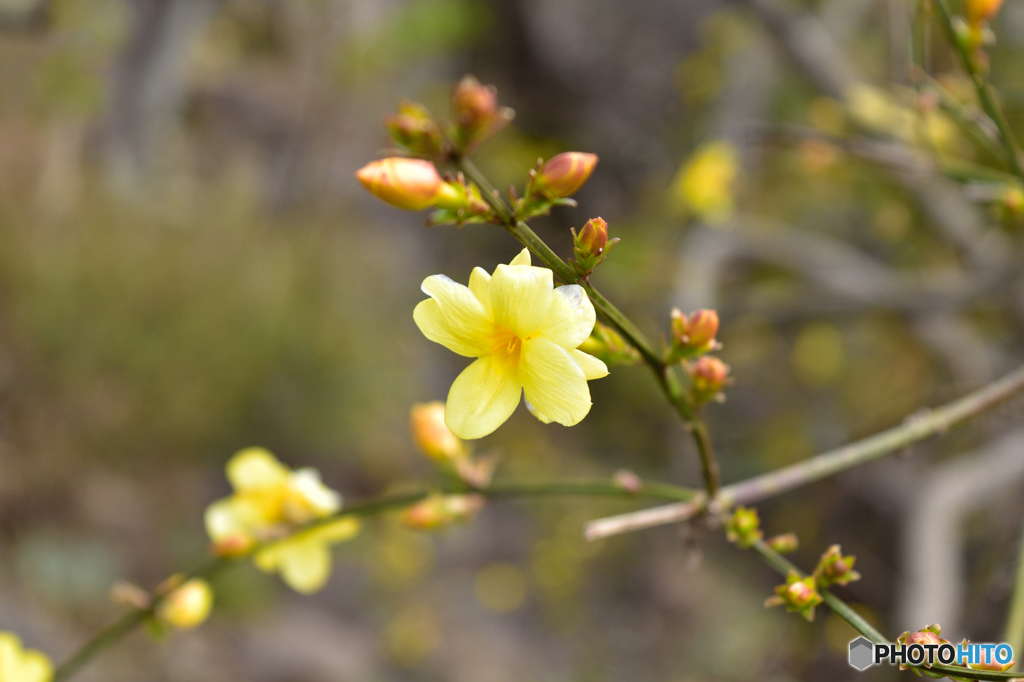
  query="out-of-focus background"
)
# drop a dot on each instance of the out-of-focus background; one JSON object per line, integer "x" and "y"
{"x": 188, "y": 267}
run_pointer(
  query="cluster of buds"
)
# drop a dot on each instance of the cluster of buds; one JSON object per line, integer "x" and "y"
{"x": 452, "y": 454}
{"x": 693, "y": 335}
{"x": 798, "y": 595}
{"x": 415, "y": 130}
{"x": 440, "y": 511}
{"x": 974, "y": 34}
{"x": 744, "y": 527}
{"x": 591, "y": 246}
{"x": 608, "y": 346}
{"x": 552, "y": 183}
{"x": 835, "y": 569}
{"x": 708, "y": 376}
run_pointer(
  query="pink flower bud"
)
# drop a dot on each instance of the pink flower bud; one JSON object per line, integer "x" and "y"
{"x": 594, "y": 236}
{"x": 414, "y": 128}
{"x": 410, "y": 184}
{"x": 564, "y": 174}
{"x": 474, "y": 104}
{"x": 784, "y": 544}
{"x": 432, "y": 436}
{"x": 709, "y": 375}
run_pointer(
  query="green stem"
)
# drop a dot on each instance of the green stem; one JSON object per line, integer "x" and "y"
{"x": 914, "y": 429}
{"x": 784, "y": 566}
{"x": 131, "y": 620}
{"x": 985, "y": 95}
{"x": 1014, "y": 635}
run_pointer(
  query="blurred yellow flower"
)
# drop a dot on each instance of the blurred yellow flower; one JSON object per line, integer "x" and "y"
{"x": 704, "y": 185}
{"x": 270, "y": 501}
{"x": 876, "y": 110}
{"x": 524, "y": 334}
{"x": 22, "y": 665}
{"x": 188, "y": 605}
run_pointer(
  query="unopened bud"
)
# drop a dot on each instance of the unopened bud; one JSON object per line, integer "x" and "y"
{"x": 608, "y": 346}
{"x": 628, "y": 481}
{"x": 432, "y": 436}
{"x": 784, "y": 544}
{"x": 232, "y": 546}
{"x": 186, "y": 606}
{"x": 440, "y": 511}
{"x": 473, "y": 104}
{"x": 415, "y": 129}
{"x": 799, "y": 595}
{"x": 743, "y": 527}
{"x": 834, "y": 568}
{"x": 410, "y": 184}
{"x": 709, "y": 375}
{"x": 130, "y": 594}
{"x": 564, "y": 174}
{"x": 1012, "y": 200}
{"x": 981, "y": 10}
{"x": 591, "y": 245}
{"x": 926, "y": 636}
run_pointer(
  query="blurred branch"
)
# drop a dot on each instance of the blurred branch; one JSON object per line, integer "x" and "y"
{"x": 129, "y": 621}
{"x": 915, "y": 428}
{"x": 31, "y": 20}
{"x": 1014, "y": 634}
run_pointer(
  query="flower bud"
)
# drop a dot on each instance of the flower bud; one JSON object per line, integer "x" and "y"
{"x": 432, "y": 436}
{"x": 798, "y": 595}
{"x": 784, "y": 544}
{"x": 608, "y": 346}
{"x": 743, "y": 527}
{"x": 926, "y": 636}
{"x": 981, "y": 10}
{"x": 564, "y": 174}
{"x": 410, "y": 184}
{"x": 693, "y": 335}
{"x": 439, "y": 511}
{"x": 834, "y": 568}
{"x": 186, "y": 606}
{"x": 473, "y": 104}
{"x": 628, "y": 481}
{"x": 232, "y": 546}
{"x": 414, "y": 128}
{"x": 709, "y": 375}
{"x": 591, "y": 246}
{"x": 130, "y": 594}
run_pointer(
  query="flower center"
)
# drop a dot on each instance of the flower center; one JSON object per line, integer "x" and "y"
{"x": 507, "y": 345}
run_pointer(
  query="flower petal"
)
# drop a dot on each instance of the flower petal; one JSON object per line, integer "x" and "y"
{"x": 591, "y": 366}
{"x": 304, "y": 564}
{"x": 521, "y": 298}
{"x": 233, "y": 517}
{"x": 340, "y": 530}
{"x": 553, "y": 381}
{"x": 453, "y": 317}
{"x": 478, "y": 284}
{"x": 570, "y": 318}
{"x": 522, "y": 259}
{"x": 315, "y": 498}
{"x": 256, "y": 469}
{"x": 483, "y": 396}
{"x": 35, "y": 667}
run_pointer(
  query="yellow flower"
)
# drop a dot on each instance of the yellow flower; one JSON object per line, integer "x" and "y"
{"x": 22, "y": 665}
{"x": 704, "y": 185}
{"x": 524, "y": 334}
{"x": 188, "y": 605}
{"x": 271, "y": 501}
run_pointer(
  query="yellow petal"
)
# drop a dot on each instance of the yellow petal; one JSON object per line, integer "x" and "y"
{"x": 522, "y": 259}
{"x": 521, "y": 298}
{"x": 345, "y": 528}
{"x": 312, "y": 495}
{"x": 35, "y": 667}
{"x": 230, "y": 517}
{"x": 304, "y": 564}
{"x": 483, "y": 396}
{"x": 591, "y": 366}
{"x": 533, "y": 410}
{"x": 453, "y": 317}
{"x": 478, "y": 284}
{"x": 570, "y": 318}
{"x": 256, "y": 469}
{"x": 554, "y": 383}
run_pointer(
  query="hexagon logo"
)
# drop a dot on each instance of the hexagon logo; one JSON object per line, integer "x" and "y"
{"x": 862, "y": 653}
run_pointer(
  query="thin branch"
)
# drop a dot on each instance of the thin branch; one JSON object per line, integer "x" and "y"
{"x": 1014, "y": 635}
{"x": 601, "y": 488}
{"x": 914, "y": 429}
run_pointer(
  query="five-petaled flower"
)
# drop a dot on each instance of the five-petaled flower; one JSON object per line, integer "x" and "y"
{"x": 272, "y": 503}
{"x": 22, "y": 665}
{"x": 524, "y": 334}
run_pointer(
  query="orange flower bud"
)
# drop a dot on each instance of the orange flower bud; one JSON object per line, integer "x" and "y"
{"x": 564, "y": 174}
{"x": 186, "y": 606}
{"x": 709, "y": 375}
{"x": 432, "y": 436}
{"x": 594, "y": 236}
{"x": 474, "y": 104}
{"x": 439, "y": 511}
{"x": 981, "y": 10}
{"x": 410, "y": 184}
